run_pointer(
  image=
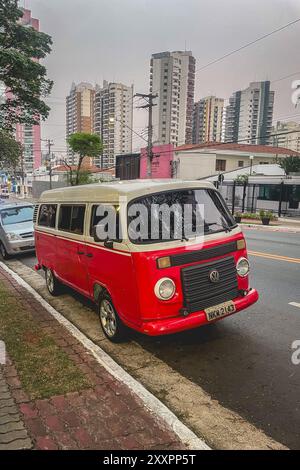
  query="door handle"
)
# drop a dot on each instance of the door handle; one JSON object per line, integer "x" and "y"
{"x": 89, "y": 255}
{"x": 80, "y": 252}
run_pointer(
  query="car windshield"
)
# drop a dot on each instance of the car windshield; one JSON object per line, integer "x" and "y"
{"x": 16, "y": 215}
{"x": 177, "y": 215}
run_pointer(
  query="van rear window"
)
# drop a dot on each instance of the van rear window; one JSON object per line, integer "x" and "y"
{"x": 71, "y": 219}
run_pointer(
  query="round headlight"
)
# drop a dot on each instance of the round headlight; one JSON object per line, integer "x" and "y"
{"x": 242, "y": 267}
{"x": 164, "y": 288}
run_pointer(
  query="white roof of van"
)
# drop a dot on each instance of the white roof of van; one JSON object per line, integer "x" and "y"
{"x": 110, "y": 192}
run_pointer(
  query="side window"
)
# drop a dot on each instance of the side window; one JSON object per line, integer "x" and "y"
{"x": 71, "y": 219}
{"x": 47, "y": 215}
{"x": 97, "y": 219}
{"x": 77, "y": 219}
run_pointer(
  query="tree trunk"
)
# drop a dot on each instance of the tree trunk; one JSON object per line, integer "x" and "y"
{"x": 78, "y": 169}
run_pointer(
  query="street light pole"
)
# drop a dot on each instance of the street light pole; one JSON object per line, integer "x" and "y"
{"x": 150, "y": 97}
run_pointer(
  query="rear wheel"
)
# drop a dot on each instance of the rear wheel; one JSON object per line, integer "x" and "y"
{"x": 52, "y": 283}
{"x": 3, "y": 251}
{"x": 111, "y": 324}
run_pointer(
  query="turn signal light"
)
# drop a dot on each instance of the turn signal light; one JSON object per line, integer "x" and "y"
{"x": 241, "y": 244}
{"x": 164, "y": 262}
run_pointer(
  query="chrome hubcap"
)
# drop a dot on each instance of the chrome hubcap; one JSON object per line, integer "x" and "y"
{"x": 108, "y": 318}
{"x": 50, "y": 280}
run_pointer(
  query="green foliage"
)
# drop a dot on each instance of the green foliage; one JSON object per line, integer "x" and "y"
{"x": 84, "y": 145}
{"x": 266, "y": 215}
{"x": 290, "y": 164}
{"x": 242, "y": 179}
{"x": 84, "y": 177}
{"x": 10, "y": 151}
{"x": 21, "y": 47}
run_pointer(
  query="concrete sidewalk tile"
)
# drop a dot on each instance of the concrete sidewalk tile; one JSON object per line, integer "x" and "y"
{"x": 19, "y": 444}
{"x": 13, "y": 436}
{"x": 8, "y": 410}
{"x": 11, "y": 426}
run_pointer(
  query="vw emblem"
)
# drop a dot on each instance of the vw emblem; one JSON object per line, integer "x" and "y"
{"x": 214, "y": 276}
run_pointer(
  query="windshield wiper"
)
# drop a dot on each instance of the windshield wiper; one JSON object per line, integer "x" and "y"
{"x": 222, "y": 224}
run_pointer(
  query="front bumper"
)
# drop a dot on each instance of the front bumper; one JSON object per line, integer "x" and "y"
{"x": 194, "y": 320}
{"x": 20, "y": 246}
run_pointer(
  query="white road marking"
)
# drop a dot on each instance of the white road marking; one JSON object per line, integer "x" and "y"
{"x": 294, "y": 304}
{"x": 152, "y": 403}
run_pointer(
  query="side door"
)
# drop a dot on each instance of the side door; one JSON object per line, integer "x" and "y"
{"x": 71, "y": 247}
{"x": 112, "y": 268}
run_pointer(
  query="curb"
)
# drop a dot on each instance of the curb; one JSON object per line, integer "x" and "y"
{"x": 271, "y": 228}
{"x": 153, "y": 404}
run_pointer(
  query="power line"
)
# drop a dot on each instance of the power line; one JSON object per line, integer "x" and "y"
{"x": 251, "y": 43}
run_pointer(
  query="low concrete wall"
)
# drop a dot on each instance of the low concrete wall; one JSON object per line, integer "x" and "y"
{"x": 38, "y": 187}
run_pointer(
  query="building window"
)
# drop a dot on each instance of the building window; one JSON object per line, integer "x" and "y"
{"x": 240, "y": 163}
{"x": 220, "y": 165}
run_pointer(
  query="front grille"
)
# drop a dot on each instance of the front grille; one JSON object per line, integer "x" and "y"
{"x": 26, "y": 235}
{"x": 205, "y": 253}
{"x": 35, "y": 211}
{"x": 200, "y": 293}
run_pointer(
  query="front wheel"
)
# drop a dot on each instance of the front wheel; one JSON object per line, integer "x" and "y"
{"x": 3, "y": 251}
{"x": 112, "y": 326}
{"x": 52, "y": 283}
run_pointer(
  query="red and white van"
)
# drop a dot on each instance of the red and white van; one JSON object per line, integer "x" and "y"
{"x": 155, "y": 286}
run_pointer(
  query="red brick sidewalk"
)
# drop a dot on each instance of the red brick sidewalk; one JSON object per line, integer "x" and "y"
{"x": 107, "y": 415}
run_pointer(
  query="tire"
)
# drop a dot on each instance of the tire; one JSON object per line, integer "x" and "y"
{"x": 52, "y": 283}
{"x": 3, "y": 251}
{"x": 112, "y": 326}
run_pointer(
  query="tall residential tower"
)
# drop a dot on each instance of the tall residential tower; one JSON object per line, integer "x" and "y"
{"x": 208, "y": 120}
{"x": 28, "y": 135}
{"x": 249, "y": 115}
{"x": 113, "y": 112}
{"x": 79, "y": 111}
{"x": 172, "y": 77}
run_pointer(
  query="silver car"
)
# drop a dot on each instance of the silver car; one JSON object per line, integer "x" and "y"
{"x": 16, "y": 229}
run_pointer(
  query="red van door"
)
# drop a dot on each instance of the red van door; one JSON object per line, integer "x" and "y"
{"x": 71, "y": 248}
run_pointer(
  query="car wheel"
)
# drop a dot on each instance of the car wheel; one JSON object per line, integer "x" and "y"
{"x": 111, "y": 324}
{"x": 52, "y": 283}
{"x": 3, "y": 251}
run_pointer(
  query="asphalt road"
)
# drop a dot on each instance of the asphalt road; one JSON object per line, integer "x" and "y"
{"x": 244, "y": 362}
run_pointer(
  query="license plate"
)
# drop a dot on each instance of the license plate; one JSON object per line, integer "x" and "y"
{"x": 219, "y": 311}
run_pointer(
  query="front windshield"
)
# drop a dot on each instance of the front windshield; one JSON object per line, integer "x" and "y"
{"x": 16, "y": 215}
{"x": 177, "y": 215}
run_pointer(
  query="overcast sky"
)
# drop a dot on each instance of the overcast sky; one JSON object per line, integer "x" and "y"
{"x": 114, "y": 39}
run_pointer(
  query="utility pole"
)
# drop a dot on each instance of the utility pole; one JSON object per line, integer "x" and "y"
{"x": 50, "y": 143}
{"x": 150, "y": 97}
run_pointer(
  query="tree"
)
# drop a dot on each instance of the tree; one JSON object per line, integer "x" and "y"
{"x": 290, "y": 164}
{"x": 10, "y": 151}
{"x": 84, "y": 177}
{"x": 21, "y": 48}
{"x": 84, "y": 145}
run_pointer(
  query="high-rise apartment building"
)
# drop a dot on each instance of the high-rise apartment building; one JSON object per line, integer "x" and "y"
{"x": 287, "y": 135}
{"x": 208, "y": 120}
{"x": 113, "y": 111}
{"x": 172, "y": 77}
{"x": 249, "y": 115}
{"x": 79, "y": 111}
{"x": 28, "y": 135}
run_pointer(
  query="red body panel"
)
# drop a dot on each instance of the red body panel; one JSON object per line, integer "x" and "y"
{"x": 130, "y": 279}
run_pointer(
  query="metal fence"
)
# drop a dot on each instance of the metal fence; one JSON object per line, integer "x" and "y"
{"x": 244, "y": 197}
